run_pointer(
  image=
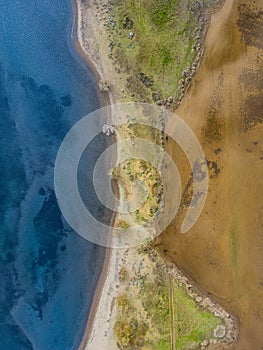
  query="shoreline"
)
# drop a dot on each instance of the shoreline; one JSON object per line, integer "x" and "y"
{"x": 106, "y": 98}
{"x": 111, "y": 255}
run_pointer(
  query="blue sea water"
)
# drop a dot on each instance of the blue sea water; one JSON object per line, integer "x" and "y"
{"x": 48, "y": 273}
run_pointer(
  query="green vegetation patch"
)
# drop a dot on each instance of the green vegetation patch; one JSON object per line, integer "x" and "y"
{"x": 193, "y": 324}
{"x": 154, "y": 43}
{"x": 129, "y": 330}
{"x": 138, "y": 170}
{"x": 145, "y": 321}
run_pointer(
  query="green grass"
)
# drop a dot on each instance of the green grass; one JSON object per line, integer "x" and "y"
{"x": 163, "y": 345}
{"x": 193, "y": 324}
{"x": 162, "y": 43}
{"x": 157, "y": 304}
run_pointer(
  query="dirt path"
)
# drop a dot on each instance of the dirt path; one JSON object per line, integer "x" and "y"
{"x": 223, "y": 251}
{"x": 172, "y": 312}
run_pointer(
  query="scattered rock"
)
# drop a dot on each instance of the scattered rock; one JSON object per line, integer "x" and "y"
{"x": 147, "y": 81}
{"x": 205, "y": 343}
{"x": 220, "y": 331}
{"x": 157, "y": 96}
{"x": 182, "y": 82}
{"x": 108, "y": 130}
{"x": 127, "y": 23}
{"x": 186, "y": 73}
{"x": 103, "y": 86}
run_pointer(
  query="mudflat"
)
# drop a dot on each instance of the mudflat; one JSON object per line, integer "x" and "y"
{"x": 223, "y": 252}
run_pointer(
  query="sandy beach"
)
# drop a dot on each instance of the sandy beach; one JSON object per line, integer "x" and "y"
{"x": 97, "y": 332}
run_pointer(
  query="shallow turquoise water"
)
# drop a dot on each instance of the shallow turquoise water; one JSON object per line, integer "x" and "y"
{"x": 48, "y": 273}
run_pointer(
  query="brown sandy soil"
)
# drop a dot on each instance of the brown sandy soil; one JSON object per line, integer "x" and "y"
{"x": 223, "y": 252}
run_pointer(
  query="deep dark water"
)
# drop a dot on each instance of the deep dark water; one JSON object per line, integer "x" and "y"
{"x": 48, "y": 273}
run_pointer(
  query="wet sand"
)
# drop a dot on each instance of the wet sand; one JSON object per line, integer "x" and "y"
{"x": 223, "y": 251}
